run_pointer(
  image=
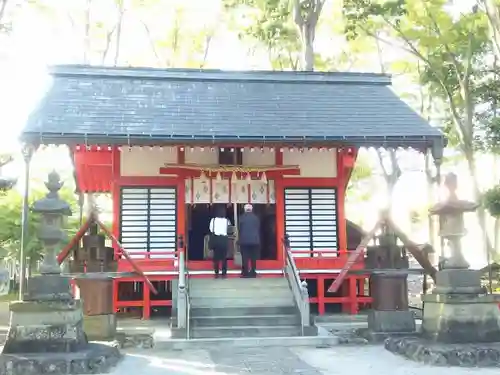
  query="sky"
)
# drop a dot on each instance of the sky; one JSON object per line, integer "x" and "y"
{"x": 37, "y": 42}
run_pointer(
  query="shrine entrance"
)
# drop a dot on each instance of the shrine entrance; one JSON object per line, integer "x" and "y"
{"x": 198, "y": 218}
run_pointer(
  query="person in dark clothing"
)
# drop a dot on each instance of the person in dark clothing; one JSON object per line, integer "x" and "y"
{"x": 249, "y": 241}
{"x": 219, "y": 241}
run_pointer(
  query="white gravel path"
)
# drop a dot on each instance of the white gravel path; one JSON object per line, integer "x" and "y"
{"x": 368, "y": 360}
{"x": 373, "y": 360}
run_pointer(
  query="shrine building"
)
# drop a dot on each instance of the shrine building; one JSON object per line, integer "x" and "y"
{"x": 170, "y": 145}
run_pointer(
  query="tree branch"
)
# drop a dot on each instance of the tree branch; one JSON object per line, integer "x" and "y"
{"x": 437, "y": 29}
{"x": 414, "y": 50}
{"x": 297, "y": 15}
{"x": 208, "y": 40}
{"x": 118, "y": 27}
{"x": 382, "y": 165}
{"x": 159, "y": 60}
{"x": 3, "y": 7}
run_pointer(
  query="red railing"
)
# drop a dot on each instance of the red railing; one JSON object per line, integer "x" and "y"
{"x": 318, "y": 253}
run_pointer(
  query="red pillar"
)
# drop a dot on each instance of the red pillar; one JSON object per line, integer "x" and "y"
{"x": 321, "y": 295}
{"x": 146, "y": 299}
{"x": 115, "y": 195}
{"x": 353, "y": 295}
{"x": 115, "y": 295}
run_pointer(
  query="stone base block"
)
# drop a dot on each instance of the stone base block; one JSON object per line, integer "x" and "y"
{"x": 45, "y": 326}
{"x": 391, "y": 321}
{"x": 464, "y": 355}
{"x": 135, "y": 338}
{"x": 373, "y": 337}
{"x": 458, "y": 281}
{"x": 459, "y": 319}
{"x": 48, "y": 288}
{"x": 100, "y": 327}
{"x": 94, "y": 359}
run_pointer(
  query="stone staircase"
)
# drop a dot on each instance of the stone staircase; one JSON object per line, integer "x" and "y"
{"x": 231, "y": 308}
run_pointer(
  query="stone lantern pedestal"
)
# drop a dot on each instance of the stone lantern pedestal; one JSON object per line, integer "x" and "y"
{"x": 46, "y": 333}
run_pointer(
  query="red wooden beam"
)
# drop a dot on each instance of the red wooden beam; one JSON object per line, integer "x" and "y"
{"x": 127, "y": 256}
{"x": 78, "y": 236}
{"x": 195, "y": 171}
{"x": 353, "y": 257}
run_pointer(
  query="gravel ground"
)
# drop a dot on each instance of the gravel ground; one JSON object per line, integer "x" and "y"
{"x": 367, "y": 360}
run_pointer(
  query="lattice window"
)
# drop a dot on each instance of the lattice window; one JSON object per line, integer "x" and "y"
{"x": 148, "y": 221}
{"x": 311, "y": 219}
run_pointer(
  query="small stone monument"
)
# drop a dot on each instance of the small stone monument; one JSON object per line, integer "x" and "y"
{"x": 46, "y": 329}
{"x": 388, "y": 264}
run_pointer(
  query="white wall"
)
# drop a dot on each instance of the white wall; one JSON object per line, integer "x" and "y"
{"x": 259, "y": 157}
{"x": 312, "y": 163}
{"x": 197, "y": 156}
{"x": 146, "y": 161}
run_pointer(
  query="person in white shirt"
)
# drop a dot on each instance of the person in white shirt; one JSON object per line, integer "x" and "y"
{"x": 219, "y": 241}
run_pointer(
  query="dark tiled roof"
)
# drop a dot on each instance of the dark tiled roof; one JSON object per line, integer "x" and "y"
{"x": 132, "y": 105}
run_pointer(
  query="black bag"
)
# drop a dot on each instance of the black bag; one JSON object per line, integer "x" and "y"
{"x": 212, "y": 239}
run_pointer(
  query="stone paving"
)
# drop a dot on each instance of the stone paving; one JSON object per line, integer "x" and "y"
{"x": 368, "y": 360}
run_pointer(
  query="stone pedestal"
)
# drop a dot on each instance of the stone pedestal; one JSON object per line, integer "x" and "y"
{"x": 458, "y": 281}
{"x": 100, "y": 327}
{"x": 391, "y": 322}
{"x": 461, "y": 319}
{"x": 99, "y": 320}
{"x": 43, "y": 323}
{"x": 46, "y": 334}
{"x": 457, "y": 313}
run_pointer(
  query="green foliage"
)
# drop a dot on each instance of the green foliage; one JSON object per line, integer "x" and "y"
{"x": 360, "y": 175}
{"x": 419, "y": 215}
{"x": 453, "y": 51}
{"x": 11, "y": 204}
{"x": 491, "y": 201}
{"x": 362, "y": 170}
{"x": 270, "y": 23}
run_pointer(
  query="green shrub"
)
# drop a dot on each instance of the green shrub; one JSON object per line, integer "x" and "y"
{"x": 491, "y": 201}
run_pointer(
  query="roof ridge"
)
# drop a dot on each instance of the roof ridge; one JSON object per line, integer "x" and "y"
{"x": 221, "y": 75}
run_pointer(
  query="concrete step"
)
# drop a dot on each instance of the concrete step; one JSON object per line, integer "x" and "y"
{"x": 242, "y": 311}
{"x": 246, "y": 320}
{"x": 245, "y": 331}
{"x": 224, "y": 302}
{"x": 242, "y": 292}
{"x": 238, "y": 283}
{"x": 248, "y": 342}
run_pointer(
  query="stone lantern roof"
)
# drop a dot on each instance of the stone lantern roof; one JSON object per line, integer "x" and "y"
{"x": 453, "y": 205}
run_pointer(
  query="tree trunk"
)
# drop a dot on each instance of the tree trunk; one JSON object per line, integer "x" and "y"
{"x": 3, "y": 7}
{"x": 308, "y": 47}
{"x": 86, "y": 37}
{"x": 121, "y": 11}
{"x": 497, "y": 237}
{"x": 481, "y": 213}
{"x": 493, "y": 12}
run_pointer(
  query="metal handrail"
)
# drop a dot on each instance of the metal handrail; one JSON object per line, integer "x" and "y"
{"x": 183, "y": 302}
{"x": 298, "y": 287}
{"x": 188, "y": 303}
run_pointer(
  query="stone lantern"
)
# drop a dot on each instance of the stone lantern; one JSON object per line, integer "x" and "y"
{"x": 458, "y": 310}
{"x": 54, "y": 212}
{"x": 46, "y": 329}
{"x": 451, "y": 222}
